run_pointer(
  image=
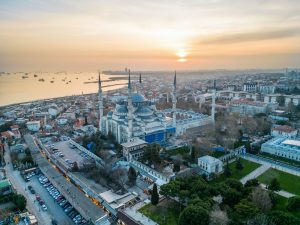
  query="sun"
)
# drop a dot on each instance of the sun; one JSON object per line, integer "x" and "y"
{"x": 182, "y": 54}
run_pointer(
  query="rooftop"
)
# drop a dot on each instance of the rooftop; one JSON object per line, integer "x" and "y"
{"x": 292, "y": 142}
{"x": 133, "y": 142}
{"x": 4, "y": 183}
{"x": 284, "y": 128}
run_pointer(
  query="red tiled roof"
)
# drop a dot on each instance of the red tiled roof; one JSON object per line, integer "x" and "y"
{"x": 285, "y": 128}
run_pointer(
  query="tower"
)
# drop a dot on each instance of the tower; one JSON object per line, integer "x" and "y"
{"x": 174, "y": 101}
{"x": 213, "y": 104}
{"x": 130, "y": 108}
{"x": 100, "y": 99}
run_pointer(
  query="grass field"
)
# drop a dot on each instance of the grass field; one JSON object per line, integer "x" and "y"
{"x": 165, "y": 213}
{"x": 281, "y": 205}
{"x": 288, "y": 182}
{"x": 238, "y": 174}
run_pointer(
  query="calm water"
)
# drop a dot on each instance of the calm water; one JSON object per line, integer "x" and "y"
{"x": 15, "y": 89}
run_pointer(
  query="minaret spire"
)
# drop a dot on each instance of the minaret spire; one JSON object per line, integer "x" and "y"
{"x": 174, "y": 101}
{"x": 100, "y": 99}
{"x": 213, "y": 104}
{"x": 130, "y": 108}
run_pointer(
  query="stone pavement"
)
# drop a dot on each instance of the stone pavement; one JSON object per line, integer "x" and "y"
{"x": 255, "y": 173}
{"x": 282, "y": 193}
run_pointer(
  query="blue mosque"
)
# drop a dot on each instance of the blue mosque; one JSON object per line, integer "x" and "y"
{"x": 137, "y": 117}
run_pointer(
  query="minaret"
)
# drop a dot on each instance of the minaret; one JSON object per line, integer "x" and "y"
{"x": 174, "y": 101}
{"x": 213, "y": 104}
{"x": 130, "y": 108}
{"x": 100, "y": 99}
{"x": 140, "y": 83}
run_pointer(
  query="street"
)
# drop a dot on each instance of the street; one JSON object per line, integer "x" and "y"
{"x": 20, "y": 185}
{"x": 53, "y": 208}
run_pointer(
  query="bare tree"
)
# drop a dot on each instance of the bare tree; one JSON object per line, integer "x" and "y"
{"x": 261, "y": 199}
{"x": 218, "y": 217}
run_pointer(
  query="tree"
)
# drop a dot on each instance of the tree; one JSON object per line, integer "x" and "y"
{"x": 246, "y": 209}
{"x": 239, "y": 164}
{"x": 132, "y": 175}
{"x": 176, "y": 167}
{"x": 260, "y": 219}
{"x": 154, "y": 195}
{"x": 218, "y": 217}
{"x": 274, "y": 185}
{"x": 261, "y": 199}
{"x": 231, "y": 197}
{"x": 227, "y": 171}
{"x": 280, "y": 100}
{"x": 251, "y": 183}
{"x": 283, "y": 218}
{"x": 194, "y": 214}
{"x": 20, "y": 201}
{"x": 293, "y": 204}
{"x": 151, "y": 154}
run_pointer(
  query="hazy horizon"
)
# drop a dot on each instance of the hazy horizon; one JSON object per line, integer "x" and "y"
{"x": 148, "y": 35}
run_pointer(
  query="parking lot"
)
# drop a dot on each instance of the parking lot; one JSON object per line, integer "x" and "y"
{"x": 52, "y": 207}
{"x": 67, "y": 154}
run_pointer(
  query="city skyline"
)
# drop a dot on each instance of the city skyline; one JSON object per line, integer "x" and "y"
{"x": 156, "y": 35}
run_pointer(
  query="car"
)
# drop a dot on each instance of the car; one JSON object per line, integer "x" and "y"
{"x": 32, "y": 191}
{"x": 72, "y": 213}
{"x": 67, "y": 205}
{"x": 29, "y": 187}
{"x": 41, "y": 202}
{"x": 68, "y": 209}
{"x": 63, "y": 204}
{"x": 54, "y": 222}
{"x": 37, "y": 197}
{"x": 44, "y": 208}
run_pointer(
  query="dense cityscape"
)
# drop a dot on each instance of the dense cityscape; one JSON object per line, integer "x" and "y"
{"x": 136, "y": 112}
{"x": 161, "y": 150}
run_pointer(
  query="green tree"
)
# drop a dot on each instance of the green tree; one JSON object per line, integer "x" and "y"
{"x": 251, "y": 183}
{"x": 274, "y": 185}
{"x": 280, "y": 100}
{"x": 227, "y": 171}
{"x": 238, "y": 164}
{"x": 132, "y": 175}
{"x": 20, "y": 201}
{"x": 246, "y": 210}
{"x": 154, "y": 195}
{"x": 293, "y": 204}
{"x": 176, "y": 167}
{"x": 231, "y": 197}
{"x": 194, "y": 214}
{"x": 283, "y": 218}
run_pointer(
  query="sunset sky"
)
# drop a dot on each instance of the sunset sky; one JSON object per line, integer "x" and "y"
{"x": 148, "y": 35}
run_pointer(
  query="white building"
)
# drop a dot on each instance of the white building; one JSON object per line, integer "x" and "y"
{"x": 33, "y": 125}
{"x": 284, "y": 131}
{"x": 62, "y": 121}
{"x": 133, "y": 149}
{"x": 210, "y": 164}
{"x": 283, "y": 147}
{"x": 248, "y": 106}
{"x": 250, "y": 87}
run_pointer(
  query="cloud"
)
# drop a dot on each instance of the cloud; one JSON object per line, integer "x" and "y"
{"x": 250, "y": 36}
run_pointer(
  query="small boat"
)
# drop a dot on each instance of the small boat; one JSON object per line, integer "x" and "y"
{"x": 70, "y": 81}
{"x": 35, "y": 75}
{"x": 41, "y": 80}
{"x": 51, "y": 81}
{"x": 24, "y": 77}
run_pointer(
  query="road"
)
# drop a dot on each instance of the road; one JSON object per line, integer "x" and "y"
{"x": 53, "y": 208}
{"x": 20, "y": 185}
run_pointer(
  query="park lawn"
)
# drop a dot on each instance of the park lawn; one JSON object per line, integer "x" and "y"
{"x": 165, "y": 213}
{"x": 281, "y": 205}
{"x": 288, "y": 182}
{"x": 238, "y": 174}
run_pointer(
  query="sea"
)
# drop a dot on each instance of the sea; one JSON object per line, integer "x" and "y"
{"x": 22, "y": 87}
